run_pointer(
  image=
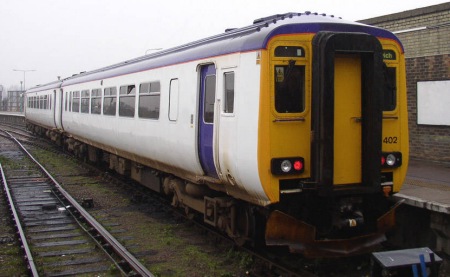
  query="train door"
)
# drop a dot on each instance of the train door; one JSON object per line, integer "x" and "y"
{"x": 347, "y": 111}
{"x": 55, "y": 109}
{"x": 347, "y": 119}
{"x": 206, "y": 119}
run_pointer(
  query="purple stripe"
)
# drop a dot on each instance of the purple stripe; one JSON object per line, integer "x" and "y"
{"x": 249, "y": 38}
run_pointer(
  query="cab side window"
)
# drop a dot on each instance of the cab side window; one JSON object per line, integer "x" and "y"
{"x": 390, "y": 89}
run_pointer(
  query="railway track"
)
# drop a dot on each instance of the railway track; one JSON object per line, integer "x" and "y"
{"x": 271, "y": 265}
{"x": 58, "y": 236}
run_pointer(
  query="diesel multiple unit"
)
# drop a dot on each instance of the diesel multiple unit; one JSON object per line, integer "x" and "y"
{"x": 292, "y": 130}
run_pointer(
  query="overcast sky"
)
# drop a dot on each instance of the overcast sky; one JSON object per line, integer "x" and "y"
{"x": 64, "y": 37}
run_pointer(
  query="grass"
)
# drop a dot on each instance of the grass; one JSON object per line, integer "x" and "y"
{"x": 12, "y": 164}
{"x": 11, "y": 263}
{"x": 174, "y": 254}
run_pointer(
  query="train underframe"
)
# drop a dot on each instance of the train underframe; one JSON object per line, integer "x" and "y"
{"x": 318, "y": 226}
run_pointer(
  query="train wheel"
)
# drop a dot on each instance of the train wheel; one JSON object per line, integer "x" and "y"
{"x": 175, "y": 201}
{"x": 245, "y": 225}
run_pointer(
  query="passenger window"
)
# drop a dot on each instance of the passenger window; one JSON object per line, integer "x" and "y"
{"x": 126, "y": 100}
{"x": 290, "y": 88}
{"x": 210, "y": 96}
{"x": 229, "y": 92}
{"x": 109, "y": 101}
{"x": 149, "y": 100}
{"x": 173, "y": 100}
{"x": 85, "y": 101}
{"x": 390, "y": 89}
{"x": 76, "y": 102}
{"x": 96, "y": 101}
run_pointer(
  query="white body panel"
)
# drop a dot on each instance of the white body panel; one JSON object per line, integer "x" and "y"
{"x": 237, "y": 133}
{"x": 174, "y": 143}
{"x": 48, "y": 117}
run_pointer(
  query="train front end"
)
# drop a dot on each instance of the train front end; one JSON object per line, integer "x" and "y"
{"x": 333, "y": 134}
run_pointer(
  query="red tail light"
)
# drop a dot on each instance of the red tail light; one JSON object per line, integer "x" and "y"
{"x": 298, "y": 165}
{"x": 286, "y": 166}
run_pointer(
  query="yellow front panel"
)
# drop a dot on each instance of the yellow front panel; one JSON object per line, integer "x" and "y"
{"x": 395, "y": 136}
{"x": 347, "y": 119}
{"x": 283, "y": 134}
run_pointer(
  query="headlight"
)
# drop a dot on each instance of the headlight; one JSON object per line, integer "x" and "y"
{"x": 284, "y": 166}
{"x": 391, "y": 160}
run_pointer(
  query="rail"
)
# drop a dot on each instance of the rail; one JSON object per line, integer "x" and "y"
{"x": 23, "y": 238}
{"x": 117, "y": 247}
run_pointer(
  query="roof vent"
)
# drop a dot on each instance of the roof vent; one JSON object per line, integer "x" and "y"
{"x": 273, "y": 18}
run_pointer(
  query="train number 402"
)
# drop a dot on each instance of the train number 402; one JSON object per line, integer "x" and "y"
{"x": 390, "y": 140}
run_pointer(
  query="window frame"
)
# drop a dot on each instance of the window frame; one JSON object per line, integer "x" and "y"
{"x": 303, "y": 68}
{"x": 226, "y": 105}
{"x": 130, "y": 93}
{"x": 110, "y": 96}
{"x": 153, "y": 92}
{"x": 76, "y": 101}
{"x": 96, "y": 96}
{"x": 208, "y": 95}
{"x": 174, "y": 96}
{"x": 85, "y": 101}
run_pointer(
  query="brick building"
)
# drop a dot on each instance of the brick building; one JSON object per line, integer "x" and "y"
{"x": 425, "y": 34}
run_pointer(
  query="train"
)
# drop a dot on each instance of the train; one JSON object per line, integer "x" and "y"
{"x": 291, "y": 132}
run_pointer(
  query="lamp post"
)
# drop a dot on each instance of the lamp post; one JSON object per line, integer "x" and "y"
{"x": 24, "y": 71}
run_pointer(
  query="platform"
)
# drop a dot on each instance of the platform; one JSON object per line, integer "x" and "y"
{"x": 427, "y": 185}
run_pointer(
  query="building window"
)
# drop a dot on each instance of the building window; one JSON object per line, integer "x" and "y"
{"x": 229, "y": 92}
{"x": 85, "y": 101}
{"x": 126, "y": 100}
{"x": 109, "y": 101}
{"x": 149, "y": 100}
{"x": 289, "y": 88}
{"x": 96, "y": 101}
{"x": 76, "y": 101}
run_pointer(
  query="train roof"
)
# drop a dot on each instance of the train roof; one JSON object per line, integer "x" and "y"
{"x": 250, "y": 38}
{"x": 48, "y": 86}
